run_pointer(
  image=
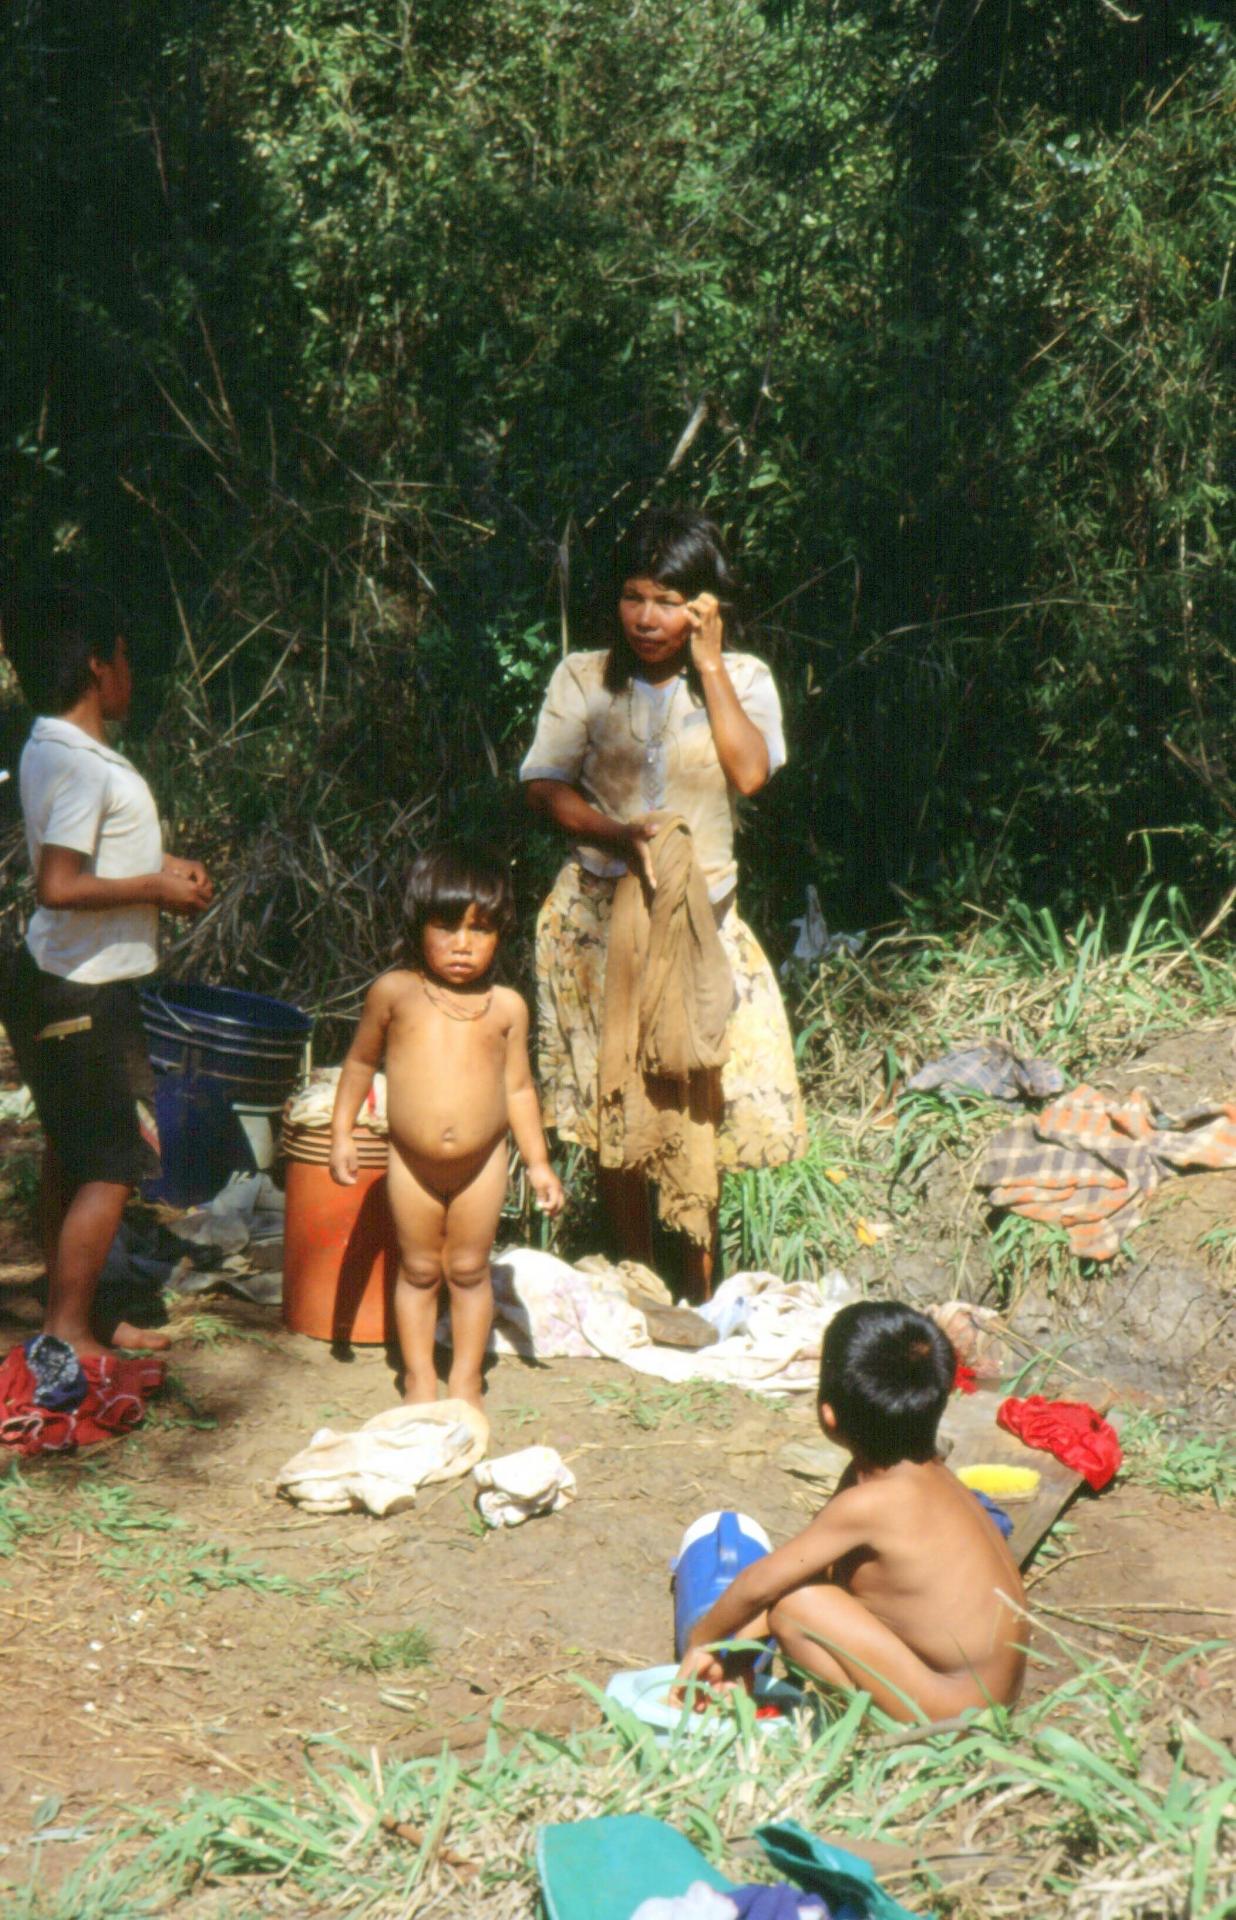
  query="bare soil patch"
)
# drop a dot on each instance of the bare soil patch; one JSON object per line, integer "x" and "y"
{"x": 215, "y": 1651}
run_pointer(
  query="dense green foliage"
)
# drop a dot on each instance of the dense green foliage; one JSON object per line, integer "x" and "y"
{"x": 348, "y": 334}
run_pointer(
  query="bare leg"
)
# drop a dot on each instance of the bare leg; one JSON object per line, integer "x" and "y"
{"x": 860, "y": 1653}
{"x": 471, "y": 1223}
{"x": 420, "y": 1226}
{"x": 623, "y": 1194}
{"x": 86, "y": 1233}
{"x": 51, "y": 1216}
{"x": 698, "y": 1264}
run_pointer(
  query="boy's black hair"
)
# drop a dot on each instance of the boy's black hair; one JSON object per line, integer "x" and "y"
{"x": 887, "y": 1372}
{"x": 677, "y": 548}
{"x": 51, "y": 635}
{"x": 444, "y": 882}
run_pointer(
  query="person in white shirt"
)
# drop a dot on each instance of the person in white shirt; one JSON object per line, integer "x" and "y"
{"x": 70, "y": 994}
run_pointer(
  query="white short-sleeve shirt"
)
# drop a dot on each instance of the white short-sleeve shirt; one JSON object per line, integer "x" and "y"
{"x": 78, "y": 793}
{"x": 650, "y": 747}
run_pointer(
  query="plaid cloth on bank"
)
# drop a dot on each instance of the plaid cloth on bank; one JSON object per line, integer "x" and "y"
{"x": 992, "y": 1069}
{"x": 1092, "y": 1162}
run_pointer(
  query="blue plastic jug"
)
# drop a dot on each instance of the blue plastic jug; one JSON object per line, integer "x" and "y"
{"x": 714, "y": 1550}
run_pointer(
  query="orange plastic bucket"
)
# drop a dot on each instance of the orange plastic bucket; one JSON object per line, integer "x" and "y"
{"x": 339, "y": 1249}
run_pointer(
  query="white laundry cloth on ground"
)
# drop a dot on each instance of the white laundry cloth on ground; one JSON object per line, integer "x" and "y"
{"x": 520, "y": 1485}
{"x": 547, "y": 1310}
{"x": 380, "y": 1466}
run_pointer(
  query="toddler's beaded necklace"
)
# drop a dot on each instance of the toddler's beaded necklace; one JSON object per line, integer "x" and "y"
{"x": 451, "y": 1008}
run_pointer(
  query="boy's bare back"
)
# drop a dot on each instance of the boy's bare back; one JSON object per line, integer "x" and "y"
{"x": 446, "y": 1074}
{"x": 931, "y": 1564}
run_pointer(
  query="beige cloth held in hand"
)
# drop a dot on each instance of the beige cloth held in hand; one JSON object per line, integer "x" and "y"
{"x": 669, "y": 994}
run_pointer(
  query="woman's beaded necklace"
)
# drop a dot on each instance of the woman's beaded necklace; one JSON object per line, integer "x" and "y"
{"x": 451, "y": 1008}
{"x": 657, "y": 731}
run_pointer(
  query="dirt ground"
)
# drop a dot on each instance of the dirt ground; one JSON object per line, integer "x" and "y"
{"x": 136, "y": 1681}
{"x": 145, "y": 1658}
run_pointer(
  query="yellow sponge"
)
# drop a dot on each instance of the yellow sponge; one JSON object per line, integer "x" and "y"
{"x": 1000, "y": 1482}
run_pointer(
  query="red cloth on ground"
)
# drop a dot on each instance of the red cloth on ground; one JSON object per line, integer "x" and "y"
{"x": 118, "y": 1386}
{"x": 1071, "y": 1430}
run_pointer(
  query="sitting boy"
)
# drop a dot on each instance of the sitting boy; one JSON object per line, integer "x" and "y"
{"x": 902, "y": 1584}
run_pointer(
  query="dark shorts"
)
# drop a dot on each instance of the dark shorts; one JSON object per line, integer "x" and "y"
{"x": 82, "y": 1052}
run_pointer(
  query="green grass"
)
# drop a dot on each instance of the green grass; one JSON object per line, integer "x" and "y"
{"x": 1082, "y": 996}
{"x": 399, "y": 1651}
{"x": 1101, "y": 1798}
{"x": 694, "y": 1403}
{"x": 1192, "y": 1467}
{"x": 802, "y": 1219}
{"x": 148, "y": 1550}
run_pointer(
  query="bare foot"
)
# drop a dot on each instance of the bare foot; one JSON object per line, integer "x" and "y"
{"x": 84, "y": 1345}
{"x": 418, "y": 1392}
{"x": 472, "y": 1390}
{"x": 127, "y": 1337}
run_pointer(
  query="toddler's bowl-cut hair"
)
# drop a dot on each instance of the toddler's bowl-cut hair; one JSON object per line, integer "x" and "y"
{"x": 887, "y": 1372}
{"x": 445, "y": 882}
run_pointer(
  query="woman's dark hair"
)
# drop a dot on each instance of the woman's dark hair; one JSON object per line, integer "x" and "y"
{"x": 51, "y": 635}
{"x": 444, "y": 882}
{"x": 677, "y": 548}
{"x": 887, "y": 1372}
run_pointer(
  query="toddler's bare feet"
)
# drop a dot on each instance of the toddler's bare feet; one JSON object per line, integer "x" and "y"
{"x": 471, "y": 1389}
{"x": 419, "y": 1389}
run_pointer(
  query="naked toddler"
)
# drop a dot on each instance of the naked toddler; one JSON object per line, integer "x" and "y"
{"x": 457, "y": 1076}
{"x": 902, "y": 1584}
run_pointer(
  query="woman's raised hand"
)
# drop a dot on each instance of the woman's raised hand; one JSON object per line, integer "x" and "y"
{"x": 707, "y": 631}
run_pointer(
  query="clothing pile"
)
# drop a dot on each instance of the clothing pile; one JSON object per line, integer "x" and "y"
{"x": 380, "y": 1467}
{"x": 1092, "y": 1162}
{"x": 770, "y": 1332}
{"x": 53, "y": 1402}
{"x": 522, "y": 1485}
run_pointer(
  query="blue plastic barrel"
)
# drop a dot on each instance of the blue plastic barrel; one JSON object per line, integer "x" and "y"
{"x": 715, "y": 1549}
{"x": 201, "y": 1141}
{"x": 251, "y": 1046}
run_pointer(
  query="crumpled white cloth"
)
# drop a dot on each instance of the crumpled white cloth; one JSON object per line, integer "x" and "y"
{"x": 380, "y": 1466}
{"x": 775, "y": 1337}
{"x": 313, "y": 1103}
{"x": 520, "y": 1485}
{"x": 699, "y": 1902}
{"x": 547, "y": 1310}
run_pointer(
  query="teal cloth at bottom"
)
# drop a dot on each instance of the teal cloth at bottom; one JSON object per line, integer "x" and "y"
{"x": 848, "y": 1883}
{"x": 603, "y": 1869}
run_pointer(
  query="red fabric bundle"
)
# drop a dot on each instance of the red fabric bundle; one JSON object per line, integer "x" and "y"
{"x": 117, "y": 1388}
{"x": 1074, "y": 1432}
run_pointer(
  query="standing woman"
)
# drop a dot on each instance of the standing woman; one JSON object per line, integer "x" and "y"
{"x": 70, "y": 996}
{"x": 664, "y": 718}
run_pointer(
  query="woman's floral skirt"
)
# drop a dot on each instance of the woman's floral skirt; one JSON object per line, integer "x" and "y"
{"x": 762, "y": 1123}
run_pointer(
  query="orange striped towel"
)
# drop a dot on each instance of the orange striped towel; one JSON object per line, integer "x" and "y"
{"x": 1092, "y": 1162}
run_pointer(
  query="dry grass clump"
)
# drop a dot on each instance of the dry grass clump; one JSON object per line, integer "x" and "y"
{"x": 1078, "y": 997}
{"x": 1103, "y": 1800}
